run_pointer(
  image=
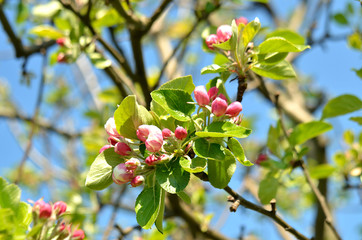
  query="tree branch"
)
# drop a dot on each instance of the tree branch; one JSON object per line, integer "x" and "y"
{"x": 156, "y": 15}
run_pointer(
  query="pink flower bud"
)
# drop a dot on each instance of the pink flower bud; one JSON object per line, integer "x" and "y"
{"x": 145, "y": 130}
{"x": 137, "y": 180}
{"x": 154, "y": 142}
{"x": 121, "y": 174}
{"x": 122, "y": 149}
{"x": 233, "y": 109}
{"x": 261, "y": 158}
{"x": 61, "y": 41}
{"x": 78, "y": 235}
{"x": 211, "y": 40}
{"x": 152, "y": 160}
{"x": 222, "y": 96}
{"x": 224, "y": 33}
{"x": 166, "y": 133}
{"x": 59, "y": 207}
{"x": 63, "y": 230}
{"x": 180, "y": 133}
{"x": 201, "y": 96}
{"x": 112, "y": 141}
{"x": 212, "y": 93}
{"x": 61, "y": 58}
{"x": 218, "y": 107}
{"x": 111, "y": 128}
{"x": 44, "y": 210}
{"x": 242, "y": 20}
{"x": 104, "y": 148}
{"x": 132, "y": 163}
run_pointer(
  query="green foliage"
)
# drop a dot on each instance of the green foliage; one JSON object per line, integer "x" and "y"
{"x": 305, "y": 131}
{"x": 100, "y": 173}
{"x": 280, "y": 44}
{"x": 172, "y": 177}
{"x": 195, "y": 165}
{"x": 213, "y": 68}
{"x": 224, "y": 129}
{"x": 238, "y": 151}
{"x": 182, "y": 83}
{"x": 322, "y": 171}
{"x": 341, "y": 105}
{"x": 279, "y": 71}
{"x": 221, "y": 171}
{"x": 46, "y": 31}
{"x": 250, "y": 30}
{"x": 268, "y": 188}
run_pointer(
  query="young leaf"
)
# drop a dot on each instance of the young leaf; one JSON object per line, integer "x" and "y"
{"x": 282, "y": 70}
{"x": 224, "y": 129}
{"x": 175, "y": 102}
{"x": 279, "y": 44}
{"x": 46, "y": 10}
{"x": 129, "y": 115}
{"x": 238, "y": 151}
{"x": 194, "y": 165}
{"x": 172, "y": 177}
{"x": 225, "y": 45}
{"x": 181, "y": 83}
{"x": 271, "y": 58}
{"x": 159, "y": 219}
{"x": 250, "y": 30}
{"x": 273, "y": 142}
{"x": 309, "y": 130}
{"x": 148, "y": 206}
{"x": 358, "y": 72}
{"x": 357, "y": 120}
{"x": 46, "y": 32}
{"x": 322, "y": 171}
{"x": 208, "y": 150}
{"x": 341, "y": 105}
{"x": 220, "y": 172}
{"x": 100, "y": 174}
{"x": 184, "y": 197}
{"x": 268, "y": 188}
{"x": 289, "y": 35}
{"x": 213, "y": 68}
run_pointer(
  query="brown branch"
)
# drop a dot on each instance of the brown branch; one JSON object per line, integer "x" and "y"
{"x": 156, "y": 15}
{"x": 133, "y": 21}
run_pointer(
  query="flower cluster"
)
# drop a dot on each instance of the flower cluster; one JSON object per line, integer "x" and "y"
{"x": 51, "y": 218}
{"x": 223, "y": 33}
{"x": 162, "y": 146}
{"x": 219, "y": 103}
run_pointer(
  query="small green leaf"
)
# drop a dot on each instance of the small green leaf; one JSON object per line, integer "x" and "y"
{"x": 273, "y": 142}
{"x": 271, "y": 58}
{"x": 309, "y": 130}
{"x": 220, "y": 172}
{"x": 46, "y": 32}
{"x": 340, "y": 18}
{"x": 348, "y": 137}
{"x": 321, "y": 171}
{"x": 194, "y": 165}
{"x": 46, "y": 10}
{"x": 208, "y": 150}
{"x": 224, "y": 129}
{"x": 159, "y": 219}
{"x": 238, "y": 151}
{"x": 225, "y": 45}
{"x": 213, "y": 68}
{"x": 341, "y": 105}
{"x": 181, "y": 83}
{"x": 148, "y": 206}
{"x": 358, "y": 72}
{"x": 289, "y": 35}
{"x": 175, "y": 102}
{"x": 280, "y": 44}
{"x": 250, "y": 30}
{"x": 172, "y": 177}
{"x": 100, "y": 173}
{"x": 282, "y": 70}
{"x": 129, "y": 116}
{"x": 356, "y": 119}
{"x": 184, "y": 197}
{"x": 268, "y": 188}
{"x": 355, "y": 41}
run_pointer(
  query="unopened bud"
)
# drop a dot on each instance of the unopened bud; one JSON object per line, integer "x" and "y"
{"x": 201, "y": 96}
{"x": 61, "y": 58}
{"x": 78, "y": 235}
{"x": 59, "y": 207}
{"x": 218, "y": 107}
{"x": 233, "y": 109}
{"x": 137, "y": 180}
{"x": 121, "y": 174}
{"x": 212, "y": 93}
{"x": 166, "y": 133}
{"x": 261, "y": 158}
{"x": 61, "y": 41}
{"x": 122, "y": 149}
{"x": 242, "y": 20}
{"x": 224, "y": 33}
{"x": 104, "y": 148}
{"x": 152, "y": 160}
{"x": 211, "y": 40}
{"x": 43, "y": 209}
{"x": 111, "y": 128}
{"x": 132, "y": 163}
{"x": 154, "y": 142}
{"x": 180, "y": 133}
{"x": 144, "y": 131}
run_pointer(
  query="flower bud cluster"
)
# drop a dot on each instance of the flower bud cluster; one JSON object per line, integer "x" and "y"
{"x": 50, "y": 216}
{"x": 219, "y": 103}
{"x": 223, "y": 33}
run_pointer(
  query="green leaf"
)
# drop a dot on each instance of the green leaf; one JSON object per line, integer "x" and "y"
{"x": 340, "y": 18}
{"x": 46, "y": 32}
{"x": 100, "y": 173}
{"x": 289, "y": 35}
{"x": 99, "y": 61}
{"x": 273, "y": 142}
{"x": 184, "y": 197}
{"x": 62, "y": 24}
{"x": 107, "y": 18}
{"x": 348, "y": 137}
{"x": 172, "y": 177}
{"x": 355, "y": 41}
{"x": 46, "y": 10}
{"x": 225, "y": 45}
{"x": 24, "y": 214}
{"x": 280, "y": 44}
{"x": 356, "y": 119}
{"x": 250, "y": 30}
{"x": 175, "y": 102}
{"x": 220, "y": 172}
{"x": 224, "y": 129}
{"x": 181, "y": 83}
{"x": 341, "y": 105}
{"x": 213, "y": 68}
{"x": 129, "y": 116}
{"x": 9, "y": 195}
{"x": 159, "y": 219}
{"x": 148, "y": 205}
{"x": 268, "y": 188}
{"x": 194, "y": 165}
{"x": 282, "y": 70}
{"x": 238, "y": 151}
{"x": 271, "y": 58}
{"x": 358, "y": 72}
{"x": 321, "y": 171}
{"x": 208, "y": 150}
{"x": 309, "y": 130}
